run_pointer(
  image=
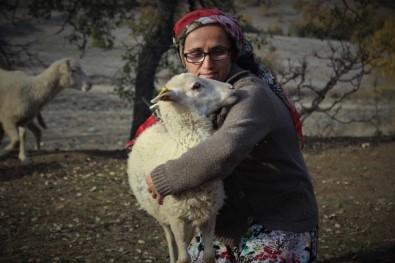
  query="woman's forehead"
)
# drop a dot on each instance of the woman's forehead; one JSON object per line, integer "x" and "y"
{"x": 209, "y": 35}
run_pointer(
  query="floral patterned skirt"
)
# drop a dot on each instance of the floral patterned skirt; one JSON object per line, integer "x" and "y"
{"x": 263, "y": 246}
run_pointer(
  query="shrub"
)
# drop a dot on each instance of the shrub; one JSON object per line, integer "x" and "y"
{"x": 275, "y": 29}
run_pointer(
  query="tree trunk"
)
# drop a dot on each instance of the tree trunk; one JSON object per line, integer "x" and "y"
{"x": 154, "y": 48}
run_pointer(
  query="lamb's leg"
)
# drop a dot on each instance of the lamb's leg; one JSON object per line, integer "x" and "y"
{"x": 208, "y": 235}
{"x": 171, "y": 244}
{"x": 12, "y": 132}
{"x": 183, "y": 235}
{"x": 22, "y": 150}
{"x": 36, "y": 132}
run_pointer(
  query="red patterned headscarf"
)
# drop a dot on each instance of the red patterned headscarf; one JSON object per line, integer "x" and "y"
{"x": 201, "y": 17}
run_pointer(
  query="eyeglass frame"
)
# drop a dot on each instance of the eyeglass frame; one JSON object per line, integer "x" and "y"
{"x": 228, "y": 50}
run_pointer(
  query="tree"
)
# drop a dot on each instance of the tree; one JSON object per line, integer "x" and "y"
{"x": 360, "y": 39}
{"x": 156, "y": 42}
{"x": 98, "y": 20}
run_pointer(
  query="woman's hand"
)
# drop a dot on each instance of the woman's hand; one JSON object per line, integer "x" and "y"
{"x": 151, "y": 188}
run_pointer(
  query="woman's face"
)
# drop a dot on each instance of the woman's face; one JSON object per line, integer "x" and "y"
{"x": 207, "y": 39}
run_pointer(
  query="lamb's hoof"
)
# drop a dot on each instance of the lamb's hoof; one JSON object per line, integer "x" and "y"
{"x": 26, "y": 161}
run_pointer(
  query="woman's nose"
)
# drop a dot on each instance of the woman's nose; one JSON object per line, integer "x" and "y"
{"x": 207, "y": 62}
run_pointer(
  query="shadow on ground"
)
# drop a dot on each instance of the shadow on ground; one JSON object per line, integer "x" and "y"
{"x": 380, "y": 255}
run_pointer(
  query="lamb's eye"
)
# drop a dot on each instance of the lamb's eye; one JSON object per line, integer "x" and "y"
{"x": 196, "y": 86}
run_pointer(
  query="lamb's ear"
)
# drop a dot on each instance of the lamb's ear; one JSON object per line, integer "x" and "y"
{"x": 167, "y": 95}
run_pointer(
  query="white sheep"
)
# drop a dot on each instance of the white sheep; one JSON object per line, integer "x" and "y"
{"x": 23, "y": 96}
{"x": 184, "y": 107}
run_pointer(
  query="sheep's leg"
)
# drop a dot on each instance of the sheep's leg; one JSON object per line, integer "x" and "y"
{"x": 40, "y": 120}
{"x": 183, "y": 235}
{"x": 36, "y": 132}
{"x": 12, "y": 132}
{"x": 208, "y": 235}
{"x": 171, "y": 244}
{"x": 22, "y": 150}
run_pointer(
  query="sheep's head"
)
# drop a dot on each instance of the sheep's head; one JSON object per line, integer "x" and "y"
{"x": 204, "y": 95}
{"x": 73, "y": 76}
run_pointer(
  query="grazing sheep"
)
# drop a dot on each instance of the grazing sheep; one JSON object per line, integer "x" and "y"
{"x": 23, "y": 96}
{"x": 184, "y": 106}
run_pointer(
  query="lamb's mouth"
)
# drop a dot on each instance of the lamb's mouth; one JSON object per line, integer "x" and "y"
{"x": 230, "y": 100}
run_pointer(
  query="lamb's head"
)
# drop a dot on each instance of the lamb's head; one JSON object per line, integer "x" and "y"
{"x": 204, "y": 95}
{"x": 72, "y": 75}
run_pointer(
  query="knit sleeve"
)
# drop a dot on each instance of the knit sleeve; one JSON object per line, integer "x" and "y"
{"x": 247, "y": 122}
{"x": 160, "y": 182}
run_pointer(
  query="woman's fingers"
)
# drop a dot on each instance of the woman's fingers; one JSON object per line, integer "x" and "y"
{"x": 152, "y": 190}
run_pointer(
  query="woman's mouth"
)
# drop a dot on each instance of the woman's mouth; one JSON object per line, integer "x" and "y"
{"x": 207, "y": 75}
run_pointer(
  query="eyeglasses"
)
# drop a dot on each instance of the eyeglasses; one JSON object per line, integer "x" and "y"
{"x": 197, "y": 57}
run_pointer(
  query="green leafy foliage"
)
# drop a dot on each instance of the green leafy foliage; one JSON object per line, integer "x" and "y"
{"x": 381, "y": 46}
{"x": 323, "y": 22}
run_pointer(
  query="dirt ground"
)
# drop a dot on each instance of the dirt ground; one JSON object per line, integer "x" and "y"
{"x": 76, "y": 206}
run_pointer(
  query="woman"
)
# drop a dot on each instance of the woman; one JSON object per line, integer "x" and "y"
{"x": 270, "y": 214}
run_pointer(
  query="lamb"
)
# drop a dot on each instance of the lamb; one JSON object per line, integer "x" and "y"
{"x": 184, "y": 107}
{"x": 23, "y": 96}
